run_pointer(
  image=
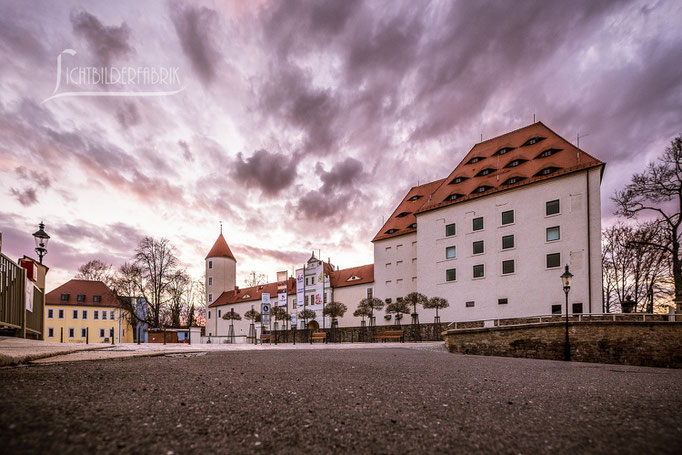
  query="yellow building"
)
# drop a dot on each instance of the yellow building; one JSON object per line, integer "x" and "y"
{"x": 80, "y": 309}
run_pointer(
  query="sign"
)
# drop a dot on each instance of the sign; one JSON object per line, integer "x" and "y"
{"x": 300, "y": 287}
{"x": 319, "y": 287}
{"x": 282, "y": 278}
{"x": 265, "y": 319}
{"x": 282, "y": 298}
{"x": 265, "y": 308}
{"x": 293, "y": 320}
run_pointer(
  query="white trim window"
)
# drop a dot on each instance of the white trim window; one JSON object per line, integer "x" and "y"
{"x": 50, "y": 332}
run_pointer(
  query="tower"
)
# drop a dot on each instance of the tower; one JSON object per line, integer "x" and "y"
{"x": 221, "y": 270}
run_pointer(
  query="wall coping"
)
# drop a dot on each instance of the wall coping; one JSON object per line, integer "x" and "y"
{"x": 557, "y": 323}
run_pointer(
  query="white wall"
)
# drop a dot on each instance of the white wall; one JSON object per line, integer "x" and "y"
{"x": 532, "y": 289}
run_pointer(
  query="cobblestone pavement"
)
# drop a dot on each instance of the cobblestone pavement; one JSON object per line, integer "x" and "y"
{"x": 394, "y": 399}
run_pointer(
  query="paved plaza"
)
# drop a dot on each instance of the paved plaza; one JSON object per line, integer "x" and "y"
{"x": 388, "y": 399}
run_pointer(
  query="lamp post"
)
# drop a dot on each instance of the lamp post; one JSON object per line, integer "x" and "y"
{"x": 566, "y": 281}
{"x": 41, "y": 239}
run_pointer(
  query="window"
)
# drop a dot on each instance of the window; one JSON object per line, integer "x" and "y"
{"x": 552, "y": 207}
{"x": 112, "y": 315}
{"x": 502, "y": 301}
{"x": 388, "y": 248}
{"x": 84, "y": 314}
{"x": 475, "y": 160}
{"x": 450, "y": 252}
{"x": 104, "y": 315}
{"x": 210, "y": 264}
{"x": 210, "y": 298}
{"x": 507, "y": 242}
{"x": 502, "y": 151}
{"x": 450, "y": 274}
{"x": 210, "y": 281}
{"x": 507, "y": 267}
{"x": 391, "y": 231}
{"x": 577, "y": 308}
{"x": 507, "y": 217}
{"x": 209, "y": 315}
{"x": 414, "y": 198}
{"x": 72, "y": 332}
{"x": 370, "y": 293}
{"x": 412, "y": 226}
{"x": 515, "y": 163}
{"x": 95, "y": 314}
{"x": 513, "y": 180}
{"x": 81, "y": 297}
{"x": 458, "y": 180}
{"x": 553, "y": 233}
{"x": 479, "y": 271}
{"x": 84, "y": 332}
{"x": 102, "y": 333}
{"x": 64, "y": 297}
{"x": 470, "y": 304}
{"x": 556, "y": 309}
{"x": 553, "y": 260}
{"x": 450, "y": 230}
{"x": 485, "y": 171}
{"x": 547, "y": 171}
{"x": 50, "y": 332}
{"x": 453, "y": 197}
{"x": 532, "y": 140}
{"x": 50, "y": 313}
{"x": 478, "y": 247}
{"x": 399, "y": 281}
{"x": 74, "y": 314}
{"x": 402, "y": 214}
{"x": 60, "y": 314}
{"x": 96, "y": 298}
{"x": 219, "y": 313}
{"x": 477, "y": 224}
{"x": 482, "y": 189}
{"x": 548, "y": 152}
{"x": 387, "y": 265}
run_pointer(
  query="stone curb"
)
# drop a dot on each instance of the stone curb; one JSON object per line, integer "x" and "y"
{"x": 9, "y": 360}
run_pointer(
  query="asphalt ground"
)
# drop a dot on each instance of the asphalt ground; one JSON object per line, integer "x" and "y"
{"x": 401, "y": 400}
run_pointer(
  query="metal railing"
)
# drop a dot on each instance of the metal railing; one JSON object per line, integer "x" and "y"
{"x": 580, "y": 317}
{"x": 13, "y": 312}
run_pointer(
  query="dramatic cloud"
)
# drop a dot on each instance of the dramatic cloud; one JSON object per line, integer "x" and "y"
{"x": 195, "y": 28}
{"x": 26, "y": 197}
{"x": 105, "y": 42}
{"x": 270, "y": 172}
{"x": 345, "y": 173}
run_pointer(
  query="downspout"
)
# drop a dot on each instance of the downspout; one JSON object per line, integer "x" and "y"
{"x": 589, "y": 245}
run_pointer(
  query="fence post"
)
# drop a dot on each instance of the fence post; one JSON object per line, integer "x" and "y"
{"x": 87, "y": 334}
{"x": 61, "y": 336}
{"x": 112, "y": 335}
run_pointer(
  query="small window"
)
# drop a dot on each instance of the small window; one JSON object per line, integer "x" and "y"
{"x": 470, "y": 304}
{"x": 210, "y": 264}
{"x": 391, "y": 231}
{"x": 453, "y": 197}
{"x": 84, "y": 314}
{"x": 219, "y": 313}
{"x": 112, "y": 314}
{"x": 209, "y": 315}
{"x": 507, "y": 242}
{"x": 74, "y": 314}
{"x": 516, "y": 162}
{"x": 96, "y": 298}
{"x": 577, "y": 308}
{"x": 485, "y": 172}
{"x": 547, "y": 171}
{"x": 370, "y": 293}
{"x": 450, "y": 230}
{"x": 503, "y": 150}
{"x": 65, "y": 297}
{"x": 210, "y": 298}
{"x": 72, "y": 332}
{"x": 450, "y": 274}
{"x": 210, "y": 281}
{"x": 553, "y": 260}
{"x": 450, "y": 252}
{"x": 50, "y": 313}
{"x": 502, "y": 301}
{"x": 548, "y": 152}
{"x": 556, "y": 309}
{"x": 414, "y": 198}
{"x": 479, "y": 271}
{"x": 482, "y": 189}
{"x": 50, "y": 332}
{"x": 475, "y": 160}
{"x": 84, "y": 332}
{"x": 478, "y": 247}
{"x": 553, "y": 233}
{"x": 104, "y": 315}
{"x": 402, "y": 214}
{"x": 60, "y": 314}
{"x": 80, "y": 298}
{"x": 552, "y": 207}
{"x": 513, "y": 180}
{"x": 508, "y": 267}
{"x": 95, "y": 314}
{"x": 477, "y": 224}
{"x": 507, "y": 217}
{"x": 457, "y": 180}
{"x": 412, "y": 226}
{"x": 532, "y": 141}
{"x": 102, "y": 333}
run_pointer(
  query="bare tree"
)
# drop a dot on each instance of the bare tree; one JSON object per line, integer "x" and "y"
{"x": 96, "y": 270}
{"x": 179, "y": 296}
{"x": 658, "y": 191}
{"x": 255, "y": 279}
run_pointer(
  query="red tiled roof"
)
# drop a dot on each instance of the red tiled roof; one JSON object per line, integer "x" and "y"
{"x": 220, "y": 249}
{"x": 342, "y": 278}
{"x": 495, "y": 162}
{"x": 88, "y": 288}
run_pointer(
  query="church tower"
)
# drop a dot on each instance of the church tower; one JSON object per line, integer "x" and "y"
{"x": 221, "y": 270}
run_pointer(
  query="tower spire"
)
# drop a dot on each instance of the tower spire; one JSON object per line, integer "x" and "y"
{"x": 221, "y": 228}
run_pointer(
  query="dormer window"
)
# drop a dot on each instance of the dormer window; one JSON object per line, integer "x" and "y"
{"x": 412, "y": 226}
{"x": 391, "y": 231}
{"x": 503, "y": 150}
{"x": 453, "y": 197}
{"x": 65, "y": 297}
{"x": 458, "y": 180}
{"x": 475, "y": 160}
{"x": 81, "y": 297}
{"x": 513, "y": 180}
{"x": 402, "y": 214}
{"x": 260, "y": 288}
{"x": 533, "y": 140}
{"x": 414, "y": 198}
{"x": 485, "y": 172}
{"x": 96, "y": 298}
{"x": 547, "y": 171}
{"x": 515, "y": 163}
{"x": 246, "y": 296}
{"x": 482, "y": 189}
{"x": 548, "y": 152}
{"x": 353, "y": 278}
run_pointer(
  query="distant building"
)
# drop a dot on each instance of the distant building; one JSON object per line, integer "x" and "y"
{"x": 80, "y": 308}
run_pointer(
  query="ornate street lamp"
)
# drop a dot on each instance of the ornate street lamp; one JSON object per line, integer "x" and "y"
{"x": 41, "y": 239}
{"x": 566, "y": 281}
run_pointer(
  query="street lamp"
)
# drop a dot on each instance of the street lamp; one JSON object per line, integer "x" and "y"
{"x": 41, "y": 239}
{"x": 566, "y": 281}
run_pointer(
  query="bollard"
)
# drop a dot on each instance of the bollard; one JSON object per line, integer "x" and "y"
{"x": 87, "y": 334}
{"x": 112, "y": 335}
{"x": 138, "y": 335}
{"x": 61, "y": 337}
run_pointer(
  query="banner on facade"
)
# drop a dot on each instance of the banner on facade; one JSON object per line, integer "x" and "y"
{"x": 319, "y": 286}
{"x": 300, "y": 287}
{"x": 282, "y": 298}
{"x": 282, "y": 279}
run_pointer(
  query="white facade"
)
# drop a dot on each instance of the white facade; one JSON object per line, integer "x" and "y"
{"x": 395, "y": 266}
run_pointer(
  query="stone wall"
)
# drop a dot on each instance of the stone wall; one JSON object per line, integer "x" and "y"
{"x": 650, "y": 343}
{"x": 427, "y": 332}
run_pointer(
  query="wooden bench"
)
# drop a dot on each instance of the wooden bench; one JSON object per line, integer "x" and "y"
{"x": 268, "y": 338}
{"x": 390, "y": 335}
{"x": 318, "y": 336}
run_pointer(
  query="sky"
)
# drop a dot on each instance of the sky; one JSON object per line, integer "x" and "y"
{"x": 301, "y": 124}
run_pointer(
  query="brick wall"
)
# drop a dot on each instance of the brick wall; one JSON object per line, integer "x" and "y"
{"x": 650, "y": 343}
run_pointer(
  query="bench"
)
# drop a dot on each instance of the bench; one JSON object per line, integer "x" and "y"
{"x": 318, "y": 336}
{"x": 390, "y": 335}
{"x": 268, "y": 338}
